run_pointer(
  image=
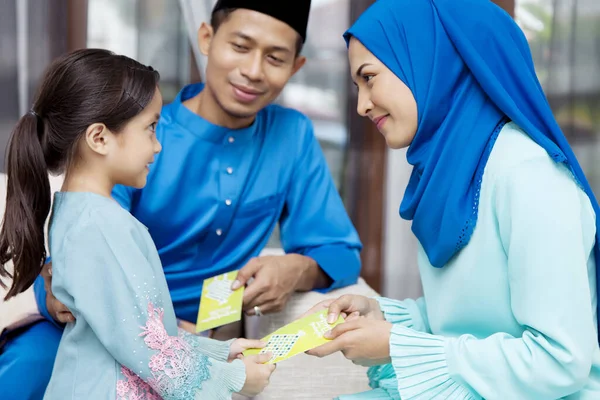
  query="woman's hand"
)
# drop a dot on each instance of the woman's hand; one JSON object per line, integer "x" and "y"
{"x": 362, "y": 340}
{"x": 240, "y": 345}
{"x": 349, "y": 305}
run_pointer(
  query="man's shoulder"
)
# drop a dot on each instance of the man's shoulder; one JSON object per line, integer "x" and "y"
{"x": 298, "y": 127}
{"x": 166, "y": 113}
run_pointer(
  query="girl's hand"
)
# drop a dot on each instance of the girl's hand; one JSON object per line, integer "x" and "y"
{"x": 240, "y": 345}
{"x": 257, "y": 374}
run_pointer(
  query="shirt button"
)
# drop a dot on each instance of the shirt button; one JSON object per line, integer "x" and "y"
{"x": 231, "y": 139}
{"x": 228, "y": 202}
{"x": 230, "y": 170}
{"x": 219, "y": 232}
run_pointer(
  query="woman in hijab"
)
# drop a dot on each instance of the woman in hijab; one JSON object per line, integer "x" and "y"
{"x": 504, "y": 216}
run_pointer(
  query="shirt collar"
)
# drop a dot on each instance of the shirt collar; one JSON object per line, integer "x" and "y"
{"x": 202, "y": 128}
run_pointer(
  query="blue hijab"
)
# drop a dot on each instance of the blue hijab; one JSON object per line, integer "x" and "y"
{"x": 469, "y": 68}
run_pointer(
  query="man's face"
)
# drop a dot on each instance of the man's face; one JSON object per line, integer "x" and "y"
{"x": 250, "y": 59}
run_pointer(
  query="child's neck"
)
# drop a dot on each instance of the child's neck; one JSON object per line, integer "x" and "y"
{"x": 87, "y": 181}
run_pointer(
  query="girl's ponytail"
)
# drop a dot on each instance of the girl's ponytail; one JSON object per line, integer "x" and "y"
{"x": 27, "y": 205}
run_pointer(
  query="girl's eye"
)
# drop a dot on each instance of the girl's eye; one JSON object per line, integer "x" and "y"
{"x": 153, "y": 127}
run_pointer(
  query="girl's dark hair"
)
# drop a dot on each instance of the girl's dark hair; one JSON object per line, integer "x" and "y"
{"x": 79, "y": 89}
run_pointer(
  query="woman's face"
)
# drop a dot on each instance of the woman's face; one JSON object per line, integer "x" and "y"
{"x": 383, "y": 97}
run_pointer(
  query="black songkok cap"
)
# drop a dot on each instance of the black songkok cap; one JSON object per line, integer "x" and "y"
{"x": 292, "y": 12}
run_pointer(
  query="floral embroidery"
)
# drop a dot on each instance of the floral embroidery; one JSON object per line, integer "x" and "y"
{"x": 134, "y": 388}
{"x": 177, "y": 367}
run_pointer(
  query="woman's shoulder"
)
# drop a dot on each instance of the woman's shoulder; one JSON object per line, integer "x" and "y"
{"x": 520, "y": 167}
{"x": 513, "y": 148}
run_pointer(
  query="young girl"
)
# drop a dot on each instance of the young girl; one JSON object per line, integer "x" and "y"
{"x": 504, "y": 216}
{"x": 94, "y": 119}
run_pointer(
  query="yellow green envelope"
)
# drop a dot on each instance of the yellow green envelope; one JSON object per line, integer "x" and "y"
{"x": 219, "y": 305}
{"x": 297, "y": 337}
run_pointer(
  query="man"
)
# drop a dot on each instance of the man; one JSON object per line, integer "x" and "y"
{"x": 232, "y": 167}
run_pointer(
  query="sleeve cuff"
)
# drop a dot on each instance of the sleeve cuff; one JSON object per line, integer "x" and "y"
{"x": 217, "y": 349}
{"x": 405, "y": 313}
{"x": 419, "y": 361}
{"x": 212, "y": 348}
{"x": 226, "y": 379}
{"x": 339, "y": 262}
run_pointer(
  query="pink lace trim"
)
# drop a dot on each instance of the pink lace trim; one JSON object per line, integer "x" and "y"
{"x": 169, "y": 365}
{"x": 134, "y": 388}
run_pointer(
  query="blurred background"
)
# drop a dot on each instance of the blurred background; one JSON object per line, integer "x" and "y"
{"x": 564, "y": 36}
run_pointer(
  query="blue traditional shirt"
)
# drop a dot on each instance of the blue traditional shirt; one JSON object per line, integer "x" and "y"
{"x": 214, "y": 196}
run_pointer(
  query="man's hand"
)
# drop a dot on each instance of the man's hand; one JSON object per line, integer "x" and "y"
{"x": 275, "y": 279}
{"x": 362, "y": 340}
{"x": 187, "y": 326}
{"x": 56, "y": 309}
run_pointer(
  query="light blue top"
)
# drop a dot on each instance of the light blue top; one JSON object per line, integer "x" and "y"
{"x": 513, "y": 315}
{"x": 106, "y": 270}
